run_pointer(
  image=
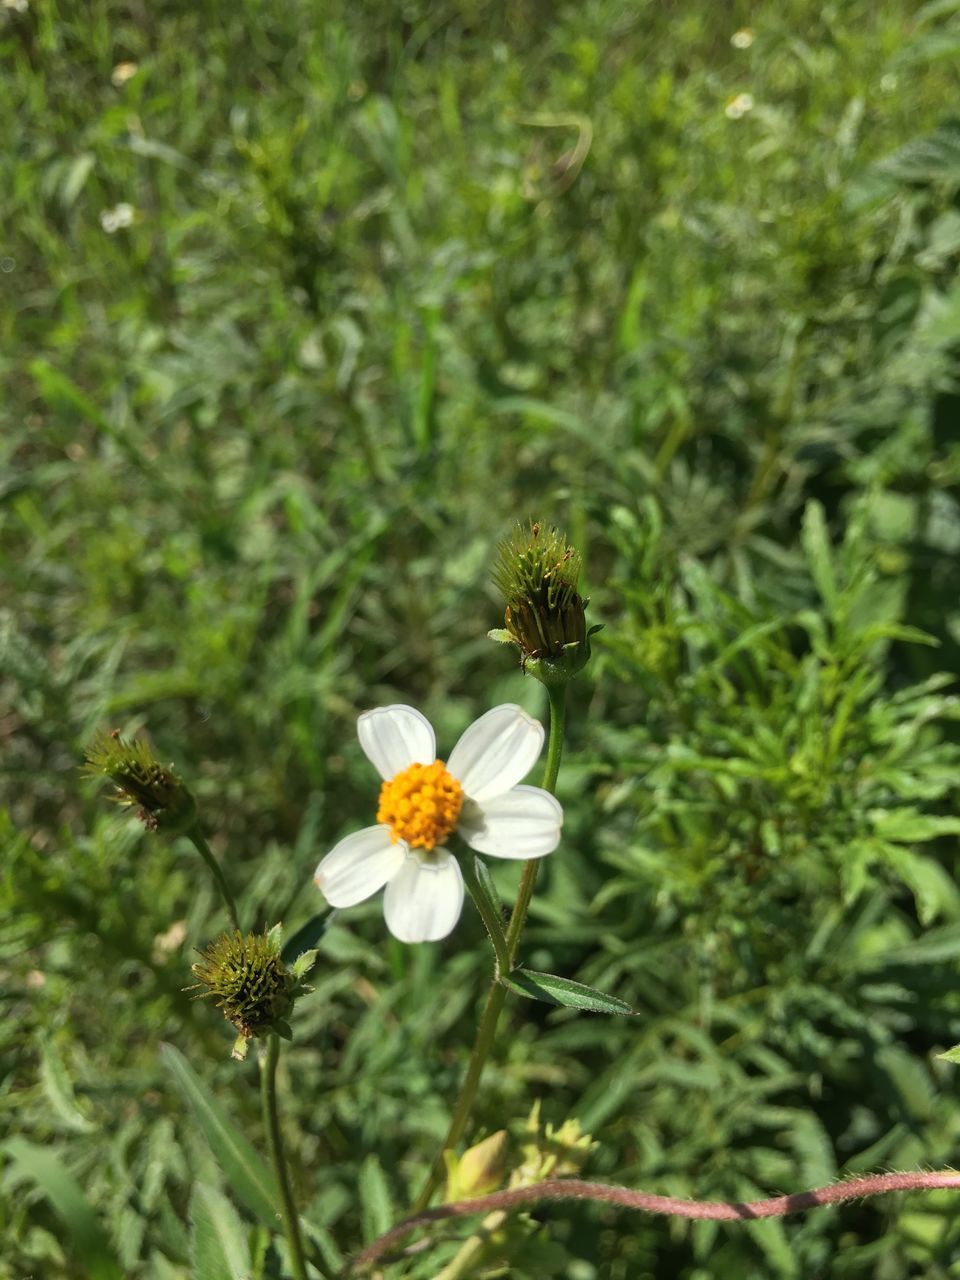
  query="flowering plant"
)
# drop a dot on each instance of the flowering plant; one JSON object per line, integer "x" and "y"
{"x": 477, "y": 794}
{"x": 437, "y": 820}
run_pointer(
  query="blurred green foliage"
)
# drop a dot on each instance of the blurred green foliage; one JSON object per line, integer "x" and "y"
{"x": 392, "y": 277}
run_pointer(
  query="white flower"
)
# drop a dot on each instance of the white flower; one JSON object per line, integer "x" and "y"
{"x": 121, "y": 215}
{"x": 123, "y": 72}
{"x": 423, "y": 801}
{"x": 742, "y": 39}
{"x": 739, "y": 106}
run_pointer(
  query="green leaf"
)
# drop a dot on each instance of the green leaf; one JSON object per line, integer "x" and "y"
{"x": 561, "y": 991}
{"x": 59, "y": 1089}
{"x": 951, "y": 1055}
{"x": 936, "y": 946}
{"x": 909, "y": 826}
{"x": 76, "y": 177}
{"x": 218, "y": 1243}
{"x": 246, "y": 1173}
{"x": 932, "y": 886}
{"x": 933, "y": 158}
{"x": 303, "y": 964}
{"x": 59, "y": 390}
{"x": 488, "y": 888}
{"x": 376, "y": 1202}
{"x": 307, "y": 936}
{"x": 816, "y": 546}
{"x": 89, "y": 1239}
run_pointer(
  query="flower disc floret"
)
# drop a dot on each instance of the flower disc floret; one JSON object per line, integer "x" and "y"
{"x": 421, "y": 805}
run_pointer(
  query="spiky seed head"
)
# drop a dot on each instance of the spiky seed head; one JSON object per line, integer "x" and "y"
{"x": 249, "y": 981}
{"x": 141, "y": 780}
{"x": 538, "y": 574}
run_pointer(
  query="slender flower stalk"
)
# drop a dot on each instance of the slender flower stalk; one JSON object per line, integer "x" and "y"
{"x": 195, "y": 836}
{"x": 487, "y": 1030}
{"x": 558, "y": 719}
{"x": 271, "y": 1120}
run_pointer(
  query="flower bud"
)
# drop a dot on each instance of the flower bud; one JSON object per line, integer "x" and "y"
{"x": 537, "y": 573}
{"x": 479, "y": 1170}
{"x": 550, "y": 1152}
{"x": 164, "y": 802}
{"x": 250, "y": 982}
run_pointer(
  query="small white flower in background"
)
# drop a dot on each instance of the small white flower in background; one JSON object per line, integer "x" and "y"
{"x": 738, "y": 106}
{"x": 121, "y": 215}
{"x": 423, "y": 801}
{"x": 123, "y": 72}
{"x": 18, "y": 6}
{"x": 742, "y": 39}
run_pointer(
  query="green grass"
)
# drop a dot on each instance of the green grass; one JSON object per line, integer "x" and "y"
{"x": 396, "y": 277}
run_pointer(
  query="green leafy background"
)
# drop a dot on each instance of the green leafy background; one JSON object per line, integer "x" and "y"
{"x": 397, "y": 276}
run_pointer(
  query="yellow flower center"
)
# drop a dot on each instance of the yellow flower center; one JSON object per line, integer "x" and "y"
{"x": 421, "y": 805}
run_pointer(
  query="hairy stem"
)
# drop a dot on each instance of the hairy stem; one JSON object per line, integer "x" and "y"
{"x": 271, "y": 1120}
{"x": 487, "y": 913}
{"x": 558, "y": 719}
{"x": 491, "y": 1012}
{"x": 646, "y": 1202}
{"x": 206, "y": 853}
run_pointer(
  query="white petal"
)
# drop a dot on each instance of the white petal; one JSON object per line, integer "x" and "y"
{"x": 423, "y": 900}
{"x": 525, "y": 823}
{"x": 393, "y": 738}
{"x": 496, "y": 751}
{"x": 358, "y": 866}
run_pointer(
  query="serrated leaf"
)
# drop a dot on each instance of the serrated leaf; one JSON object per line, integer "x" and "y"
{"x": 245, "y": 1171}
{"x": 552, "y": 989}
{"x": 218, "y": 1243}
{"x": 303, "y": 964}
{"x": 88, "y": 1237}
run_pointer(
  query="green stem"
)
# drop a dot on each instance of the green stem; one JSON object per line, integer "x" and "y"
{"x": 472, "y": 1253}
{"x": 206, "y": 853}
{"x": 558, "y": 719}
{"x": 271, "y": 1121}
{"x": 498, "y": 993}
{"x": 487, "y": 913}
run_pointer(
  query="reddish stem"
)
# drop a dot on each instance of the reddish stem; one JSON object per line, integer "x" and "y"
{"x": 574, "y": 1189}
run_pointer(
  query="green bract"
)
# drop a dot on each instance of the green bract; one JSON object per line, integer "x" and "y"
{"x": 251, "y": 984}
{"x": 537, "y": 573}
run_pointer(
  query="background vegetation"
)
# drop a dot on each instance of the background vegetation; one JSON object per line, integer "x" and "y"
{"x": 391, "y": 277}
